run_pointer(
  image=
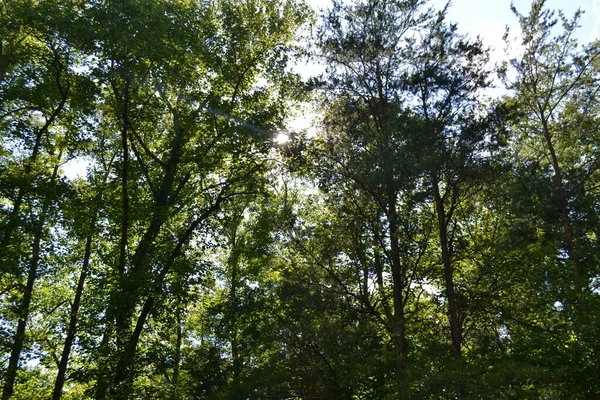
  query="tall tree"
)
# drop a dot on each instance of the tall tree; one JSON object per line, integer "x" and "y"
{"x": 364, "y": 45}
{"x": 556, "y": 89}
{"x": 450, "y": 73}
{"x": 38, "y": 131}
{"x": 193, "y": 129}
{"x": 551, "y": 75}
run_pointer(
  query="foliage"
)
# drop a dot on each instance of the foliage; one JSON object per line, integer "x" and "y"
{"x": 428, "y": 241}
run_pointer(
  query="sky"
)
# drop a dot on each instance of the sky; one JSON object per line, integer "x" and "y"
{"x": 489, "y": 18}
{"x": 485, "y": 18}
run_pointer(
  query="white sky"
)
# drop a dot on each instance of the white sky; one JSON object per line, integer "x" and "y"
{"x": 488, "y": 18}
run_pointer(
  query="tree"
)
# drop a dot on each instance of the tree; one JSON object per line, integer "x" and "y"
{"x": 37, "y": 86}
{"x": 555, "y": 86}
{"x": 552, "y": 57}
{"x": 426, "y": 242}
{"x": 178, "y": 114}
{"x": 364, "y": 45}
{"x": 450, "y": 74}
{"x": 177, "y": 106}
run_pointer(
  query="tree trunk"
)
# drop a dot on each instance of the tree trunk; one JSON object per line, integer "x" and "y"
{"x": 455, "y": 326}
{"x": 19, "y": 338}
{"x": 114, "y": 321}
{"x": 122, "y": 260}
{"x": 177, "y": 358}
{"x": 233, "y": 262}
{"x": 398, "y": 323}
{"x": 102, "y": 378}
{"x": 567, "y": 224}
{"x": 72, "y": 330}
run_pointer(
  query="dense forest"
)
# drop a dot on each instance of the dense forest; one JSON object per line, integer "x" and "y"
{"x": 426, "y": 240}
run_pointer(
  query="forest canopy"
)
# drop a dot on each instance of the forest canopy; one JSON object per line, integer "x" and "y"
{"x": 425, "y": 240}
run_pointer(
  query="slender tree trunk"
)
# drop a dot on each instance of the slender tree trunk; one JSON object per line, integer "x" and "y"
{"x": 399, "y": 317}
{"x": 122, "y": 260}
{"x": 24, "y": 308}
{"x": 3, "y": 65}
{"x": 103, "y": 373}
{"x": 177, "y": 358}
{"x": 455, "y": 325}
{"x": 567, "y": 224}
{"x": 233, "y": 262}
{"x": 577, "y": 277}
{"x": 235, "y": 354}
{"x": 124, "y": 180}
{"x": 113, "y": 316}
{"x": 72, "y": 330}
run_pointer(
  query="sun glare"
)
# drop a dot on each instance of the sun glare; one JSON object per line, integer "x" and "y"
{"x": 282, "y": 138}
